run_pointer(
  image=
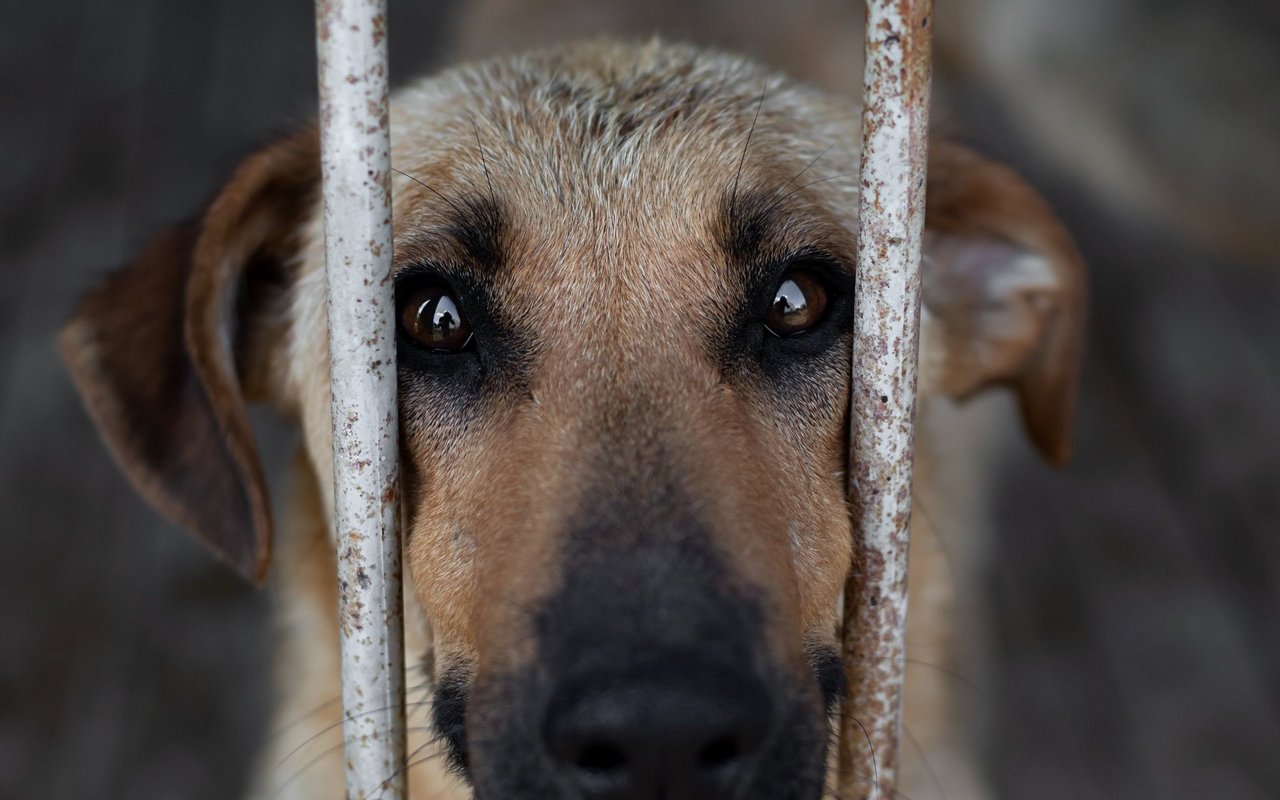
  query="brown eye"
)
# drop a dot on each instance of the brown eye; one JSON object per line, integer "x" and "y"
{"x": 798, "y": 304}
{"x": 433, "y": 319}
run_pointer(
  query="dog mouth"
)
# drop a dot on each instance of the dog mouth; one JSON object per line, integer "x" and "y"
{"x": 664, "y": 726}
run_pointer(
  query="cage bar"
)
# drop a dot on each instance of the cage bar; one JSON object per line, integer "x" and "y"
{"x": 895, "y": 117}
{"x": 351, "y": 45}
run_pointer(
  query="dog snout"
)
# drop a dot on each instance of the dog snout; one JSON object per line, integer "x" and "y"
{"x": 673, "y": 728}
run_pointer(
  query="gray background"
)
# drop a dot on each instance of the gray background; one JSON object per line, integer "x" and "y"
{"x": 1134, "y": 595}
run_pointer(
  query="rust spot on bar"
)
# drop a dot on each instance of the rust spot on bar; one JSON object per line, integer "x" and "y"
{"x": 891, "y": 209}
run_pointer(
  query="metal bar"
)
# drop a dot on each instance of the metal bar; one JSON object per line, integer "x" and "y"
{"x": 895, "y": 118}
{"x": 355, "y": 140}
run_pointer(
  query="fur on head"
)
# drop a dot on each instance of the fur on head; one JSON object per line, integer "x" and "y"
{"x": 626, "y": 482}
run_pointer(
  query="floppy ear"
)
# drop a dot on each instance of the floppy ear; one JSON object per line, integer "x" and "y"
{"x": 1006, "y": 284}
{"x": 165, "y": 350}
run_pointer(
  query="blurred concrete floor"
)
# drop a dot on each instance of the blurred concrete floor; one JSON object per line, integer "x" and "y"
{"x": 1134, "y": 596}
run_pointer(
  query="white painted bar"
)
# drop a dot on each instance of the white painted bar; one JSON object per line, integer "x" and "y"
{"x": 355, "y": 148}
{"x": 895, "y": 120}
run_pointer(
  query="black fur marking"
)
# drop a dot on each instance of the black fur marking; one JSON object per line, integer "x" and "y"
{"x": 643, "y": 572}
{"x": 751, "y": 220}
{"x": 479, "y": 230}
{"x": 762, "y": 239}
{"x": 476, "y": 225}
{"x": 830, "y": 672}
{"x": 435, "y": 385}
{"x": 449, "y": 715}
{"x": 646, "y": 597}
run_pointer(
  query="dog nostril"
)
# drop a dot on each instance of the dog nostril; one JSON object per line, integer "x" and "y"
{"x": 719, "y": 753}
{"x": 601, "y": 757}
{"x": 664, "y": 728}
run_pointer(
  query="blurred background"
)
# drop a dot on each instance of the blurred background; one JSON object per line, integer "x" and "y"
{"x": 1134, "y": 597}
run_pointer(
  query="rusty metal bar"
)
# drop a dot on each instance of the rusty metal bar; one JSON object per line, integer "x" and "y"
{"x": 895, "y": 119}
{"x": 355, "y": 140}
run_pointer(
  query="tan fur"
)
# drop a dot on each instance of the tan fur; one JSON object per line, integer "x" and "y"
{"x": 611, "y": 164}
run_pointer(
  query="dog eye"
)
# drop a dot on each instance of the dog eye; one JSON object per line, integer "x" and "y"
{"x": 434, "y": 320}
{"x": 798, "y": 304}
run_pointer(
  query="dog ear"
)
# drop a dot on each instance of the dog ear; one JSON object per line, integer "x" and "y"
{"x": 1004, "y": 280}
{"x": 167, "y": 350}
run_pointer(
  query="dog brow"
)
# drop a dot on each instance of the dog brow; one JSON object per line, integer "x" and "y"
{"x": 751, "y": 220}
{"x": 477, "y": 225}
{"x": 765, "y": 225}
{"x": 465, "y": 230}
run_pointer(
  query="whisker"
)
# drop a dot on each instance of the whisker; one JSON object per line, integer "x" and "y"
{"x": 934, "y": 531}
{"x": 836, "y": 794}
{"x": 456, "y": 209}
{"x": 924, "y": 759}
{"x": 484, "y": 163}
{"x": 802, "y": 187}
{"x": 742, "y": 158}
{"x": 407, "y": 765}
{"x": 326, "y": 753}
{"x": 875, "y": 777}
{"x": 302, "y": 718}
{"x": 875, "y": 762}
{"x": 950, "y": 673}
{"x": 339, "y": 723}
{"x": 796, "y": 177}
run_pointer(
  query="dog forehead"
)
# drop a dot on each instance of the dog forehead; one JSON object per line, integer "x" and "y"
{"x": 614, "y": 132}
{"x": 599, "y": 102}
{"x": 612, "y": 167}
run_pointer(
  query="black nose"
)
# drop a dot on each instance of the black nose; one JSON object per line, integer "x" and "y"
{"x": 668, "y": 730}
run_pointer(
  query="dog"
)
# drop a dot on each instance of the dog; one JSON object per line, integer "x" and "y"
{"x": 624, "y": 280}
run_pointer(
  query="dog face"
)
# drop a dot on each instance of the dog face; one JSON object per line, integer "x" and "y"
{"x": 624, "y": 282}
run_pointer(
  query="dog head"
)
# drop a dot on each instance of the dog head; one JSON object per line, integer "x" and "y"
{"x": 624, "y": 282}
